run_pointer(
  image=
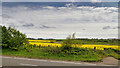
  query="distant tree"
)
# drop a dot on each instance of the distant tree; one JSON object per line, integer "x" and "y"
{"x": 67, "y": 44}
{"x": 73, "y": 36}
{"x": 40, "y": 38}
{"x": 31, "y": 38}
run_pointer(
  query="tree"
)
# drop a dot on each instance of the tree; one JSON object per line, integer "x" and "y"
{"x": 5, "y": 37}
{"x": 67, "y": 44}
{"x": 73, "y": 36}
{"x": 12, "y": 38}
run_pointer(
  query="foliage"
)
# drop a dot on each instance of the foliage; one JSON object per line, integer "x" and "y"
{"x": 76, "y": 54}
{"x": 55, "y": 54}
{"x": 112, "y": 52}
{"x": 67, "y": 44}
{"x": 12, "y": 38}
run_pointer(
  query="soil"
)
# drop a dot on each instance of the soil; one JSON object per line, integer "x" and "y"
{"x": 110, "y": 61}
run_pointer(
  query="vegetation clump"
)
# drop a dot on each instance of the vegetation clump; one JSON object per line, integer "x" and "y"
{"x": 12, "y": 38}
{"x": 67, "y": 44}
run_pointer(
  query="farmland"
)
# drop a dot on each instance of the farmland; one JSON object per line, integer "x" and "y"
{"x": 48, "y": 43}
{"x": 46, "y": 49}
{"x": 14, "y": 43}
{"x": 75, "y": 54}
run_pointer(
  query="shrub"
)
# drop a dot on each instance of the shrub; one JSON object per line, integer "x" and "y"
{"x": 4, "y": 45}
{"x": 12, "y": 38}
{"x": 67, "y": 44}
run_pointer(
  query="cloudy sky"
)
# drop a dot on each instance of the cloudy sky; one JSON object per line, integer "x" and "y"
{"x": 60, "y": 21}
{"x": 60, "y": 0}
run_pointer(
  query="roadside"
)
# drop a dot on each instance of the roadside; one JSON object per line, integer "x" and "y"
{"x": 8, "y": 60}
{"x": 42, "y": 53}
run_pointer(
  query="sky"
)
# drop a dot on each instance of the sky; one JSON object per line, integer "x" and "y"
{"x": 59, "y": 22}
{"x": 60, "y": 0}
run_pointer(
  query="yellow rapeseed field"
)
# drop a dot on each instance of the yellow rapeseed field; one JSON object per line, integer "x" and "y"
{"x": 47, "y": 43}
{"x": 99, "y": 47}
{"x": 42, "y": 41}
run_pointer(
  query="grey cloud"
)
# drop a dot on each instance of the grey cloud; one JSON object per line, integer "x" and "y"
{"x": 109, "y": 27}
{"x": 106, "y": 27}
{"x": 45, "y": 26}
{"x": 28, "y": 25}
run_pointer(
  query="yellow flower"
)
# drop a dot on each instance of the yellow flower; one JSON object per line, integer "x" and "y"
{"x": 47, "y": 43}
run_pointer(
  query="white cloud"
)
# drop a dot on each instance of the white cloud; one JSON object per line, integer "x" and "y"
{"x": 95, "y": 0}
{"x": 85, "y": 21}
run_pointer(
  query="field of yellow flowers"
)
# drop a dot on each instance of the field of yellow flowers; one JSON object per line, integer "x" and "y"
{"x": 42, "y": 41}
{"x": 48, "y": 43}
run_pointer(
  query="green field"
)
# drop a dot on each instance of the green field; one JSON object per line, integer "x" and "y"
{"x": 94, "y": 41}
{"x": 76, "y": 54}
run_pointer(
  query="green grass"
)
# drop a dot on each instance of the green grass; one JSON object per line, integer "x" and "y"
{"x": 45, "y": 53}
{"x": 113, "y": 53}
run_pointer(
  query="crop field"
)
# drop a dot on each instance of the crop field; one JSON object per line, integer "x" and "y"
{"x": 16, "y": 44}
{"x": 43, "y": 41}
{"x": 48, "y": 44}
{"x": 51, "y": 49}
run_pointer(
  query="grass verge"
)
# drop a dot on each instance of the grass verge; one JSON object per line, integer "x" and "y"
{"x": 78, "y": 54}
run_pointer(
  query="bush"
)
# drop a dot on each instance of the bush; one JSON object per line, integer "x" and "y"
{"x": 4, "y": 46}
{"x": 12, "y": 38}
{"x": 67, "y": 44}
